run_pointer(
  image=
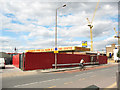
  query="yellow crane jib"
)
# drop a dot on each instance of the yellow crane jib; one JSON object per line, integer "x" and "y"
{"x": 115, "y": 30}
{"x": 95, "y": 10}
{"x": 91, "y": 26}
{"x": 117, "y": 36}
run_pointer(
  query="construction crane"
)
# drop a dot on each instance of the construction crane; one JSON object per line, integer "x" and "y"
{"x": 116, "y": 33}
{"x": 91, "y": 26}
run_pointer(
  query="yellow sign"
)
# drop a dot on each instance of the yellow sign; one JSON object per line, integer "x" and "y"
{"x": 55, "y": 51}
{"x": 84, "y": 43}
{"x": 60, "y": 49}
{"x": 51, "y": 49}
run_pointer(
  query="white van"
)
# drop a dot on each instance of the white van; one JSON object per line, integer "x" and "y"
{"x": 2, "y": 63}
{"x": 117, "y": 59}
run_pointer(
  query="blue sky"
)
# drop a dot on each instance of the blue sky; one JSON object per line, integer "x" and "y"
{"x": 31, "y": 25}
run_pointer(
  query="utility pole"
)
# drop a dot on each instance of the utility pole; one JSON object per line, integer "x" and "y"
{"x": 56, "y": 50}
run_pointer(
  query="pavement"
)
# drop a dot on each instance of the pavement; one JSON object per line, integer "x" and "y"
{"x": 111, "y": 61}
{"x": 12, "y": 71}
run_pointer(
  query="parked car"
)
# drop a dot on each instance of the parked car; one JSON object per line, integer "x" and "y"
{"x": 2, "y": 63}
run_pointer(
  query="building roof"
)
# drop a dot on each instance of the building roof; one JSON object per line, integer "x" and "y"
{"x": 113, "y": 44}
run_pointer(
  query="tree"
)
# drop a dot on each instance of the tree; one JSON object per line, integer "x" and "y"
{"x": 118, "y": 54}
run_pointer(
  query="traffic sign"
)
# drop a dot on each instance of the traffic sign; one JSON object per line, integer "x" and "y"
{"x": 84, "y": 43}
{"x": 55, "y": 51}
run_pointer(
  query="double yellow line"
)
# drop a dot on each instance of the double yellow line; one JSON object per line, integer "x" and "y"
{"x": 111, "y": 86}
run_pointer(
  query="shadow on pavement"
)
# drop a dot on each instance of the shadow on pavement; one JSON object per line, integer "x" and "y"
{"x": 91, "y": 87}
{"x": 9, "y": 67}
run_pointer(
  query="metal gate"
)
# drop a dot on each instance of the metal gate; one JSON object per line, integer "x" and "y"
{"x": 94, "y": 59}
{"x": 21, "y": 56}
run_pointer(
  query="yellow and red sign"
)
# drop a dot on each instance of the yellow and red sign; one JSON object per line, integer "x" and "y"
{"x": 60, "y": 49}
{"x": 51, "y": 49}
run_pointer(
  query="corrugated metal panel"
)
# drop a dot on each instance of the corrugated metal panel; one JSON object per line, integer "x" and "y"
{"x": 38, "y": 61}
{"x": 102, "y": 59}
{"x": 45, "y": 60}
{"x": 16, "y": 60}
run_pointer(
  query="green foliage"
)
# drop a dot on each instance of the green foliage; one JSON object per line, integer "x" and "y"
{"x": 118, "y": 54}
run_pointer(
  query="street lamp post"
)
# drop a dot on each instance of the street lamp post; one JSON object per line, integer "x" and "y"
{"x": 56, "y": 37}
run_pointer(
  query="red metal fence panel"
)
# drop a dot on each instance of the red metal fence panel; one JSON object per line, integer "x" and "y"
{"x": 102, "y": 59}
{"x": 71, "y": 58}
{"x": 45, "y": 60}
{"x": 38, "y": 61}
{"x": 15, "y": 60}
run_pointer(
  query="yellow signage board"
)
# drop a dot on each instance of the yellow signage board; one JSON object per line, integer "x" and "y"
{"x": 55, "y": 51}
{"x": 84, "y": 43}
{"x": 51, "y": 49}
{"x": 60, "y": 49}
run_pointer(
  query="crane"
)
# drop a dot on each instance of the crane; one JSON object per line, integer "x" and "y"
{"x": 115, "y": 30}
{"x": 116, "y": 33}
{"x": 91, "y": 26}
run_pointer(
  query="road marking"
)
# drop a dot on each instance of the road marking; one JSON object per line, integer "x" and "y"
{"x": 80, "y": 74}
{"x": 114, "y": 77}
{"x": 82, "y": 79}
{"x": 67, "y": 82}
{"x": 35, "y": 82}
{"x": 89, "y": 72}
{"x": 113, "y": 85}
{"x": 26, "y": 84}
{"x": 77, "y": 75}
{"x": 52, "y": 87}
{"x": 105, "y": 69}
{"x": 93, "y": 76}
{"x": 83, "y": 74}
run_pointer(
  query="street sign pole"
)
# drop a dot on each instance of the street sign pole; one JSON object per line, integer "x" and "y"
{"x": 56, "y": 51}
{"x": 56, "y": 42}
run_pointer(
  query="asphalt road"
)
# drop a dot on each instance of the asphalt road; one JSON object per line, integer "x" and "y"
{"x": 103, "y": 78}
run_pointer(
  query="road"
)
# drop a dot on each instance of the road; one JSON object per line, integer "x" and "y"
{"x": 103, "y": 78}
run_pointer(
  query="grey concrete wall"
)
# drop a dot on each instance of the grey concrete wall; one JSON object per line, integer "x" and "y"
{"x": 6, "y": 56}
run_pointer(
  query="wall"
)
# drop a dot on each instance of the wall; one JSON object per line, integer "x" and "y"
{"x": 102, "y": 59}
{"x": 6, "y": 56}
{"x": 72, "y": 58}
{"x": 45, "y": 60}
{"x": 83, "y": 53}
{"x": 110, "y": 49}
{"x": 15, "y": 60}
{"x": 40, "y": 60}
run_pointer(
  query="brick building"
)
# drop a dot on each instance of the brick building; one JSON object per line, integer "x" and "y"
{"x": 110, "y": 50}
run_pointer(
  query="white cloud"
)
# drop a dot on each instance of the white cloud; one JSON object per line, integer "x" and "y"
{"x": 7, "y": 43}
{"x": 99, "y": 45}
{"x": 41, "y": 32}
{"x": 38, "y": 21}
